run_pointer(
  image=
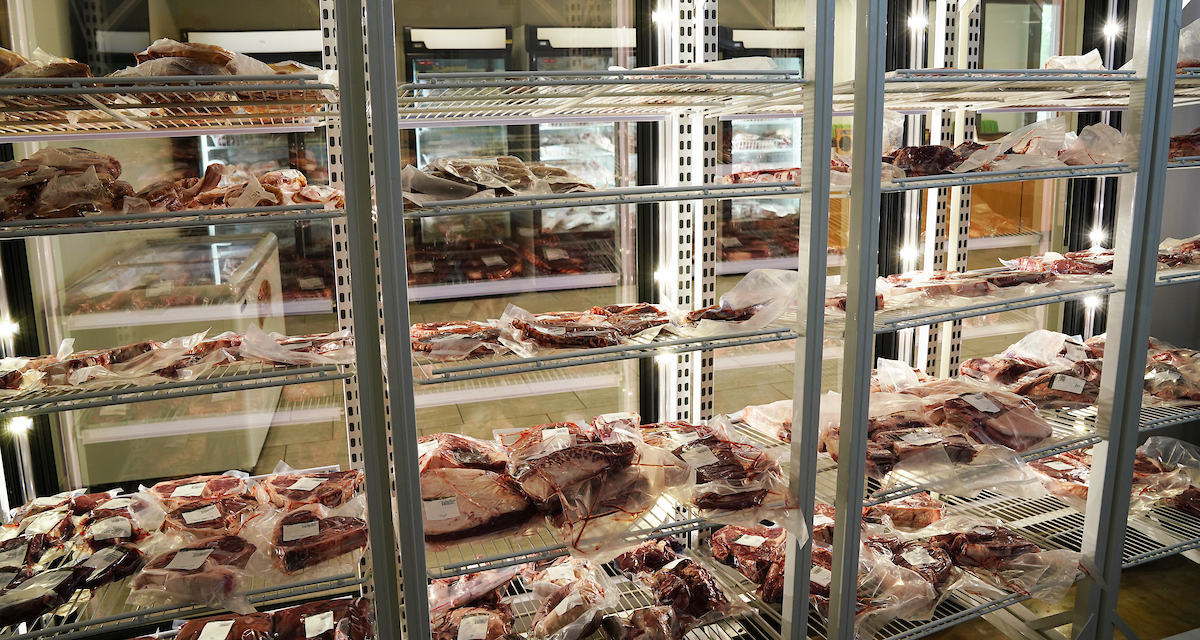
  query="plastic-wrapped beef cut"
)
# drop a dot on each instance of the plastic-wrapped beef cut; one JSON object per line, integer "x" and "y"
{"x": 632, "y": 319}
{"x": 1018, "y": 278}
{"x": 321, "y": 620}
{"x": 38, "y": 505}
{"x": 432, "y": 337}
{"x": 996, "y": 417}
{"x": 729, "y": 475}
{"x": 174, "y": 493}
{"x": 82, "y": 505}
{"x": 538, "y": 440}
{"x": 1186, "y": 145}
{"x": 1065, "y": 475}
{"x": 926, "y": 160}
{"x": 996, "y": 369}
{"x": 566, "y": 329}
{"x": 36, "y": 596}
{"x": 773, "y": 419}
{"x": 570, "y": 611}
{"x": 907, "y": 443}
{"x": 22, "y": 551}
{"x": 646, "y": 623}
{"x": 209, "y": 517}
{"x": 454, "y": 451}
{"x": 110, "y": 564}
{"x": 305, "y": 537}
{"x": 547, "y": 474}
{"x": 1188, "y": 501}
{"x": 253, "y": 626}
{"x": 689, "y": 589}
{"x": 1058, "y": 387}
{"x": 747, "y": 549}
{"x": 503, "y": 173}
{"x": 207, "y": 571}
{"x": 328, "y": 488}
{"x": 461, "y": 503}
{"x": 791, "y": 176}
{"x": 650, "y": 555}
{"x": 479, "y": 623}
{"x": 57, "y": 526}
{"x": 479, "y": 589}
{"x": 910, "y": 512}
{"x": 822, "y": 524}
{"x": 985, "y": 546}
{"x": 721, "y": 313}
{"x": 839, "y": 302}
{"x": 1166, "y": 382}
{"x": 930, "y": 562}
{"x": 880, "y": 459}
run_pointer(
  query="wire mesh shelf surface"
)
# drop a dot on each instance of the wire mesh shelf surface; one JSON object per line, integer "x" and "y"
{"x": 164, "y": 220}
{"x": 46, "y": 108}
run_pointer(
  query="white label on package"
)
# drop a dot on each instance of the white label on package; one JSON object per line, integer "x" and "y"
{"x": 553, "y": 253}
{"x": 311, "y": 284}
{"x": 981, "y": 402}
{"x": 116, "y": 503}
{"x": 306, "y": 484}
{"x": 441, "y": 508}
{"x": 821, "y": 520}
{"x": 103, "y": 560}
{"x": 560, "y": 572}
{"x": 699, "y": 457}
{"x": 216, "y": 630}
{"x": 115, "y": 410}
{"x": 52, "y": 501}
{"x": 43, "y": 523}
{"x": 301, "y": 531}
{"x": 821, "y": 576}
{"x": 918, "y": 557}
{"x": 753, "y": 542}
{"x": 672, "y": 564}
{"x": 684, "y": 437}
{"x": 1074, "y": 350}
{"x": 1058, "y": 466}
{"x": 188, "y": 560}
{"x": 421, "y": 267}
{"x": 493, "y": 261}
{"x": 318, "y": 624}
{"x": 558, "y": 438}
{"x": 920, "y": 438}
{"x": 1070, "y": 384}
{"x": 158, "y": 290}
{"x": 730, "y": 242}
{"x": 202, "y": 515}
{"x": 194, "y": 490}
{"x": 114, "y": 527}
{"x": 14, "y": 557}
{"x": 566, "y": 604}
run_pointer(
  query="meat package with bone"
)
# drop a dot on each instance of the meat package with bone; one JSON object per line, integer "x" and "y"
{"x": 209, "y": 572}
{"x": 573, "y": 594}
{"x": 343, "y": 618}
{"x": 309, "y": 536}
{"x": 498, "y": 176}
{"x": 749, "y": 549}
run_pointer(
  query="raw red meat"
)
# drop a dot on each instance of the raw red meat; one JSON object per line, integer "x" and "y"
{"x": 57, "y": 526}
{"x": 498, "y": 625}
{"x": 1054, "y": 388}
{"x": 762, "y": 176}
{"x": 929, "y": 561}
{"x": 647, "y": 623}
{"x": 110, "y": 564}
{"x": 479, "y": 589}
{"x": 454, "y": 451}
{"x": 737, "y": 465}
{"x": 1016, "y": 278}
{"x": 910, "y": 512}
{"x": 1186, "y": 145}
{"x": 36, "y": 596}
{"x": 328, "y": 488}
{"x": 38, "y": 505}
{"x": 911, "y": 442}
{"x": 839, "y": 302}
{"x": 689, "y": 589}
{"x": 632, "y": 319}
{"x": 822, "y": 529}
{"x": 995, "y": 369}
{"x": 1165, "y": 381}
{"x": 1013, "y": 423}
{"x": 880, "y": 459}
{"x": 211, "y": 516}
{"x": 216, "y": 576}
{"x": 174, "y": 493}
{"x": 747, "y": 549}
{"x": 1188, "y": 501}
{"x": 546, "y": 475}
{"x": 309, "y": 620}
{"x": 426, "y": 335}
{"x": 985, "y": 546}
{"x": 484, "y": 502}
{"x": 82, "y": 505}
{"x": 581, "y": 598}
{"x": 567, "y": 331}
{"x": 926, "y": 160}
{"x": 899, "y": 421}
{"x": 722, "y": 314}
{"x": 253, "y": 626}
{"x": 650, "y": 555}
{"x": 297, "y": 544}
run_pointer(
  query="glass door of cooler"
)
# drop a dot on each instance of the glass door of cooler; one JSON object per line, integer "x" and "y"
{"x": 758, "y": 234}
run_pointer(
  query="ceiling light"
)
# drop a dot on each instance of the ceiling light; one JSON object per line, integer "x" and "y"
{"x": 1112, "y": 29}
{"x": 20, "y": 425}
{"x": 1091, "y": 302}
{"x": 1097, "y": 236}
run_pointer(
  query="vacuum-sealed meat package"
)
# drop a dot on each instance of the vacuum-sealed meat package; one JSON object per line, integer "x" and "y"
{"x": 206, "y": 572}
{"x": 455, "y": 340}
{"x": 571, "y": 606}
{"x": 323, "y": 619}
{"x": 328, "y": 488}
{"x": 477, "y": 623}
{"x": 465, "y": 503}
{"x": 252, "y": 626}
{"x": 36, "y": 596}
{"x": 479, "y": 589}
{"x": 997, "y": 417}
{"x": 525, "y": 333}
{"x": 455, "y": 451}
{"x": 308, "y": 536}
{"x": 173, "y": 493}
{"x": 747, "y": 549}
{"x": 650, "y": 555}
{"x": 208, "y": 517}
{"x": 110, "y": 564}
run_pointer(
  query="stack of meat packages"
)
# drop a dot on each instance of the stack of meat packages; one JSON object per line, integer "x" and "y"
{"x": 175, "y": 360}
{"x": 569, "y": 595}
{"x": 74, "y": 183}
{"x": 912, "y": 557}
{"x": 1054, "y": 370}
{"x": 1165, "y": 471}
{"x": 592, "y": 482}
{"x": 195, "y": 540}
{"x": 339, "y": 619}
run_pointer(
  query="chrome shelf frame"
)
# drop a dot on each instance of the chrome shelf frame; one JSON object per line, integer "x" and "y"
{"x": 945, "y": 181}
{"x": 216, "y": 380}
{"x": 165, "y": 220}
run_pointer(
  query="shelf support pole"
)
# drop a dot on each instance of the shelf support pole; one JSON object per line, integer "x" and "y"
{"x": 1139, "y": 218}
{"x": 813, "y": 230}
{"x": 364, "y": 289}
{"x": 869, "y": 40}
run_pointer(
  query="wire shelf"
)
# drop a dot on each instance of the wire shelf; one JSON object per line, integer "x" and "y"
{"x": 1015, "y": 175}
{"x": 164, "y": 220}
{"x": 236, "y": 377}
{"x": 1177, "y": 275}
{"x": 1184, "y": 162}
{"x": 431, "y": 372}
{"x": 48, "y": 108}
{"x": 607, "y": 197}
{"x": 106, "y": 612}
{"x": 546, "y": 96}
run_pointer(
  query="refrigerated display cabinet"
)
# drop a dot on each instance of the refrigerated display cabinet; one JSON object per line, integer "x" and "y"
{"x": 132, "y": 398}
